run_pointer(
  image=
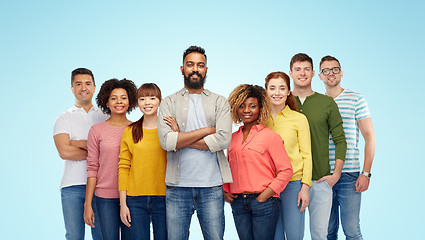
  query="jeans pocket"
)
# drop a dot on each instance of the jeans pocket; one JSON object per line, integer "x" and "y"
{"x": 170, "y": 188}
{"x": 352, "y": 175}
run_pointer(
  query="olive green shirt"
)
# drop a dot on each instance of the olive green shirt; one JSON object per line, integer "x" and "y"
{"x": 324, "y": 118}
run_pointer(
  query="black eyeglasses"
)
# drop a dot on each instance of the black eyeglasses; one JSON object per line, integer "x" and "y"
{"x": 327, "y": 71}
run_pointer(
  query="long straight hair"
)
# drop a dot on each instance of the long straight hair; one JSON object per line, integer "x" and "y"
{"x": 146, "y": 90}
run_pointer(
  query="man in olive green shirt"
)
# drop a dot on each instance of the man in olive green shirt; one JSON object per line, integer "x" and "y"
{"x": 324, "y": 118}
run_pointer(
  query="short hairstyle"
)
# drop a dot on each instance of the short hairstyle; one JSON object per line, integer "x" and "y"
{"x": 81, "y": 71}
{"x": 193, "y": 49}
{"x": 146, "y": 90}
{"x": 300, "y": 57}
{"x": 244, "y": 91}
{"x": 106, "y": 89}
{"x": 290, "y": 100}
{"x": 328, "y": 58}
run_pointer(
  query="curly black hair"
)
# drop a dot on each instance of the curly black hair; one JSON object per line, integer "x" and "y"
{"x": 193, "y": 49}
{"x": 106, "y": 89}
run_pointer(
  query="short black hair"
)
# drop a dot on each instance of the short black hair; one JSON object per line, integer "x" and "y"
{"x": 193, "y": 49}
{"x": 81, "y": 71}
{"x": 106, "y": 89}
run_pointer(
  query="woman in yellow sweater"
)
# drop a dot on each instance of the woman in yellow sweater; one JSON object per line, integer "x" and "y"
{"x": 293, "y": 127}
{"x": 142, "y": 170}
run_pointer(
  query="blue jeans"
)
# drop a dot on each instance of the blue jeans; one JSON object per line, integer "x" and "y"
{"x": 143, "y": 209}
{"x": 346, "y": 201}
{"x": 255, "y": 220}
{"x": 291, "y": 220}
{"x": 109, "y": 218}
{"x": 73, "y": 198}
{"x": 319, "y": 209}
{"x": 209, "y": 205}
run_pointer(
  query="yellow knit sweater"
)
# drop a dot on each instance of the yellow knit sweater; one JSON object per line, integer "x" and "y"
{"x": 141, "y": 170}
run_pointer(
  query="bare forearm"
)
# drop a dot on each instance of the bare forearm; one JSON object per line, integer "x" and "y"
{"x": 200, "y": 144}
{"x": 185, "y": 139}
{"x": 266, "y": 194}
{"x": 123, "y": 198}
{"x": 72, "y": 153}
{"x": 91, "y": 185}
{"x": 369, "y": 153}
{"x": 66, "y": 150}
{"x": 339, "y": 164}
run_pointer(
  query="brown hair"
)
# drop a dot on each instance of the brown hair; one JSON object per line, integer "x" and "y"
{"x": 328, "y": 58}
{"x": 146, "y": 90}
{"x": 300, "y": 57}
{"x": 238, "y": 96}
{"x": 290, "y": 100}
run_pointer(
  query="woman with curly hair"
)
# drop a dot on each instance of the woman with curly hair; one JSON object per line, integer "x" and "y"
{"x": 141, "y": 170}
{"x": 259, "y": 164}
{"x": 116, "y": 98}
{"x": 293, "y": 127}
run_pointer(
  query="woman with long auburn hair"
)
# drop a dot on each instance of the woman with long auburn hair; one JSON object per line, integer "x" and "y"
{"x": 293, "y": 128}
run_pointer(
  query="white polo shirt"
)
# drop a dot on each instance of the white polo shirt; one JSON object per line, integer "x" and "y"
{"x": 76, "y": 122}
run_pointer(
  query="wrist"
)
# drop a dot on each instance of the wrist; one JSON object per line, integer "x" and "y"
{"x": 366, "y": 174}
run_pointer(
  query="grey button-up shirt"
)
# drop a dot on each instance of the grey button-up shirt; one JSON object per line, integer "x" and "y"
{"x": 217, "y": 114}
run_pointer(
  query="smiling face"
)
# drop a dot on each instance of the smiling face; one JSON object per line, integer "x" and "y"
{"x": 118, "y": 101}
{"x": 194, "y": 70}
{"x": 331, "y": 80}
{"x": 302, "y": 73}
{"x": 83, "y": 89}
{"x": 148, "y": 105}
{"x": 278, "y": 91}
{"x": 249, "y": 111}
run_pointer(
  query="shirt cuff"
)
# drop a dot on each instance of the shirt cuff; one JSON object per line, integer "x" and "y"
{"x": 212, "y": 143}
{"x": 171, "y": 142}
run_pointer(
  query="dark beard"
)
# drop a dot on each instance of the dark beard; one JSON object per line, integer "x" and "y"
{"x": 194, "y": 85}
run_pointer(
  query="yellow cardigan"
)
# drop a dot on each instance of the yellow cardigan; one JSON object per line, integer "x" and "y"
{"x": 141, "y": 170}
{"x": 293, "y": 127}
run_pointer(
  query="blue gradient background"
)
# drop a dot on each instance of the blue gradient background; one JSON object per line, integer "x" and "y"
{"x": 380, "y": 45}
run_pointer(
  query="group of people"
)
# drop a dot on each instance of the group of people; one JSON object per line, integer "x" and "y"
{"x": 294, "y": 149}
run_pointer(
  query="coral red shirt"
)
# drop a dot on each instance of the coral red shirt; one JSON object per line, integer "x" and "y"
{"x": 259, "y": 162}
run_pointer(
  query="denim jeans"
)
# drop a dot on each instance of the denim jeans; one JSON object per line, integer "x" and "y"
{"x": 319, "y": 209}
{"x": 346, "y": 201}
{"x": 73, "y": 198}
{"x": 143, "y": 209}
{"x": 291, "y": 220}
{"x": 209, "y": 205}
{"x": 109, "y": 218}
{"x": 255, "y": 220}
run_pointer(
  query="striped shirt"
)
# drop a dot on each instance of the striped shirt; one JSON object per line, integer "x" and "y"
{"x": 353, "y": 107}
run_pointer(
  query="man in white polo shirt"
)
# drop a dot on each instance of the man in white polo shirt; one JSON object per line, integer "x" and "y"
{"x": 70, "y": 136}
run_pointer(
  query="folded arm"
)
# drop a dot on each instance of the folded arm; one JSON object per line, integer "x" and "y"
{"x": 70, "y": 150}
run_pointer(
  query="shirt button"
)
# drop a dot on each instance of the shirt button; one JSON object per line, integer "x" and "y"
{"x": 185, "y": 109}
{"x": 301, "y": 110}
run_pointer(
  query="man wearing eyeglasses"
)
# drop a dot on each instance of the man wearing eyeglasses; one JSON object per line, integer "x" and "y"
{"x": 324, "y": 118}
{"x": 355, "y": 115}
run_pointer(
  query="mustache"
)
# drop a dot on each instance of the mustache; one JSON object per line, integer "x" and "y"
{"x": 195, "y": 73}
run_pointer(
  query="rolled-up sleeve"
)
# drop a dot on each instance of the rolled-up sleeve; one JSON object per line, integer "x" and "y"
{"x": 220, "y": 140}
{"x": 167, "y": 138}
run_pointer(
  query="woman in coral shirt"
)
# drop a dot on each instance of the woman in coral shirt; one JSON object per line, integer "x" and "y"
{"x": 259, "y": 164}
{"x": 116, "y": 98}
